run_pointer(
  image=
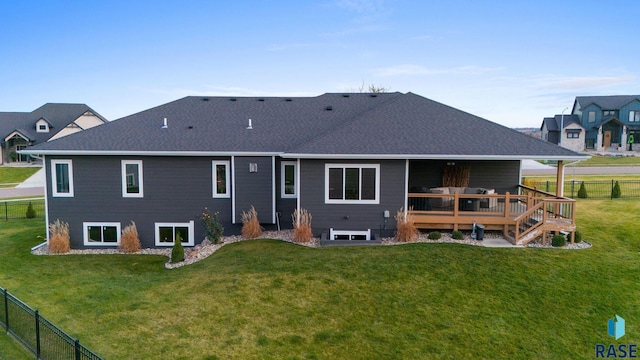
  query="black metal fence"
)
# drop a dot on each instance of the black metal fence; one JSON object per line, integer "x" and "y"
{"x": 593, "y": 189}
{"x": 18, "y": 209}
{"x": 39, "y": 335}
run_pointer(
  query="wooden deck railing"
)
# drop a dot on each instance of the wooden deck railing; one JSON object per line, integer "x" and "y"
{"x": 516, "y": 215}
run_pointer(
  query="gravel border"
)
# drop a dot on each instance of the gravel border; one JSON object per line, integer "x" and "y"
{"x": 206, "y": 248}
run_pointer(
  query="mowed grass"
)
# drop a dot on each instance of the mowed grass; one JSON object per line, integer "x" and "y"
{"x": 597, "y": 160}
{"x": 12, "y": 175}
{"x": 267, "y": 299}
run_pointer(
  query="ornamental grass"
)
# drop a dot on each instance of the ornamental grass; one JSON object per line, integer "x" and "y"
{"x": 251, "y": 228}
{"x": 129, "y": 241}
{"x": 302, "y": 226}
{"x": 59, "y": 241}
{"x": 406, "y": 229}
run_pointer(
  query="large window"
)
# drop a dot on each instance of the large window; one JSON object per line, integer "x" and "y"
{"x": 288, "y": 183}
{"x": 62, "y": 178}
{"x": 221, "y": 179}
{"x": 573, "y": 134}
{"x": 352, "y": 183}
{"x": 634, "y": 116}
{"x": 132, "y": 178}
{"x": 101, "y": 234}
{"x": 167, "y": 233}
{"x": 591, "y": 117}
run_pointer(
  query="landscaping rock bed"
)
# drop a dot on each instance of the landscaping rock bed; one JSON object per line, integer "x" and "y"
{"x": 206, "y": 248}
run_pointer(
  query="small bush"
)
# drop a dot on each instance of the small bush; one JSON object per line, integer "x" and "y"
{"x": 457, "y": 235}
{"x": 59, "y": 241}
{"x": 212, "y": 226}
{"x": 251, "y": 228}
{"x": 31, "y": 213}
{"x": 435, "y": 235}
{"x": 302, "y": 232}
{"x": 558, "y": 240}
{"x": 577, "y": 237}
{"x": 406, "y": 229}
{"x": 177, "y": 253}
{"x": 129, "y": 241}
{"x": 616, "y": 192}
{"x": 582, "y": 192}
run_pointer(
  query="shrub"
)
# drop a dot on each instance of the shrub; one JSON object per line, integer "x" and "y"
{"x": 577, "y": 237}
{"x": 582, "y": 192}
{"x": 59, "y": 242}
{"x": 616, "y": 192}
{"x": 435, "y": 235}
{"x": 177, "y": 253}
{"x": 558, "y": 240}
{"x": 302, "y": 226}
{"x": 31, "y": 213}
{"x": 406, "y": 230}
{"x": 129, "y": 241}
{"x": 251, "y": 228}
{"x": 212, "y": 226}
{"x": 457, "y": 235}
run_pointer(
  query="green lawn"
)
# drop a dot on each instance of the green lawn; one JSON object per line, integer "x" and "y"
{"x": 268, "y": 299}
{"x": 12, "y": 175}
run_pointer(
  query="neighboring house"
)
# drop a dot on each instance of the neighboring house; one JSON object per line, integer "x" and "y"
{"x": 600, "y": 123}
{"x": 351, "y": 160}
{"x": 19, "y": 130}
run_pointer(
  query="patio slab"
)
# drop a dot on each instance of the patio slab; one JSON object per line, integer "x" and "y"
{"x": 498, "y": 243}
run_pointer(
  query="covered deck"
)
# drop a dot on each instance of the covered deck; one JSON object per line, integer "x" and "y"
{"x": 522, "y": 216}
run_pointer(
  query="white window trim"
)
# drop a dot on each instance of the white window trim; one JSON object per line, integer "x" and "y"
{"x": 295, "y": 179}
{"x": 632, "y": 114}
{"x": 214, "y": 178}
{"x": 344, "y": 166}
{"x": 188, "y": 225}
{"x": 124, "y": 164}
{"x": 54, "y": 178}
{"x": 85, "y": 229}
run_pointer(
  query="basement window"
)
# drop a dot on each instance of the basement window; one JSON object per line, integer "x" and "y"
{"x": 167, "y": 233}
{"x": 101, "y": 234}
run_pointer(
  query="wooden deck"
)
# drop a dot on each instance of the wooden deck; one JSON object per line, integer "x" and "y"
{"x": 521, "y": 218}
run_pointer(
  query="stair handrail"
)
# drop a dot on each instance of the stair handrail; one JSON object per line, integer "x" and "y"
{"x": 526, "y": 214}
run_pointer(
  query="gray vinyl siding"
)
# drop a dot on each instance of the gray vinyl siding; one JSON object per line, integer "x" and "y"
{"x": 254, "y": 188}
{"x": 502, "y": 176}
{"x": 284, "y": 206}
{"x": 176, "y": 189}
{"x": 350, "y": 216}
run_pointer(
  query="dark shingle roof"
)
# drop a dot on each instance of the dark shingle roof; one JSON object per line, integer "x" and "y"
{"x": 388, "y": 124}
{"x": 612, "y": 102}
{"x": 57, "y": 115}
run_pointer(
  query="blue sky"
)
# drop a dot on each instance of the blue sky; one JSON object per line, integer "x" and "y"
{"x": 512, "y": 62}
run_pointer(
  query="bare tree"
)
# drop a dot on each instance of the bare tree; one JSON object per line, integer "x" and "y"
{"x": 372, "y": 88}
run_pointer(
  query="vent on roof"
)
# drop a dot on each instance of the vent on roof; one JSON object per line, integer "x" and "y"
{"x": 164, "y": 124}
{"x": 233, "y": 99}
{"x": 345, "y": 95}
{"x": 373, "y": 95}
{"x": 260, "y": 99}
{"x": 205, "y": 99}
{"x": 190, "y": 126}
{"x": 329, "y": 108}
{"x": 288, "y": 100}
{"x": 250, "y": 127}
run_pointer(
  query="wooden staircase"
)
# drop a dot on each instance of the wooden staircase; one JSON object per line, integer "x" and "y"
{"x": 546, "y": 216}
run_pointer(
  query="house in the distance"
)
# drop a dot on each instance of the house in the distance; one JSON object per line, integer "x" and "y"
{"x": 351, "y": 160}
{"x": 18, "y": 130}
{"x": 599, "y": 123}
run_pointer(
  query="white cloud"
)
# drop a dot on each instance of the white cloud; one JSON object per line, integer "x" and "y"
{"x": 418, "y": 70}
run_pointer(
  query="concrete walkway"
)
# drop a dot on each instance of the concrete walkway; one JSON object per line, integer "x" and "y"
{"x": 498, "y": 243}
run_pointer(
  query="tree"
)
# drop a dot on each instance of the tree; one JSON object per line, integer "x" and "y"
{"x": 372, "y": 88}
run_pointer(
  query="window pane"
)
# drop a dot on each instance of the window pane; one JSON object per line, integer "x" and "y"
{"x": 166, "y": 234}
{"x": 109, "y": 234}
{"x": 62, "y": 178}
{"x": 221, "y": 179}
{"x": 133, "y": 178}
{"x": 289, "y": 180}
{"x": 352, "y": 184}
{"x": 368, "y": 184}
{"x": 592, "y": 116}
{"x": 335, "y": 183}
{"x": 184, "y": 233}
{"x": 95, "y": 233}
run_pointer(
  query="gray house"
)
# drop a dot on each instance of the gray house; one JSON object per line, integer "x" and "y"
{"x": 18, "y": 130}
{"x": 349, "y": 159}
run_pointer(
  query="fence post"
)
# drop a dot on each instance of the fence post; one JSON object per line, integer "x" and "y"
{"x": 612, "y": 185}
{"x": 77, "y": 346}
{"x": 6, "y": 310}
{"x": 547, "y": 189}
{"x": 37, "y": 334}
{"x": 572, "y": 187}
{"x": 6, "y": 210}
